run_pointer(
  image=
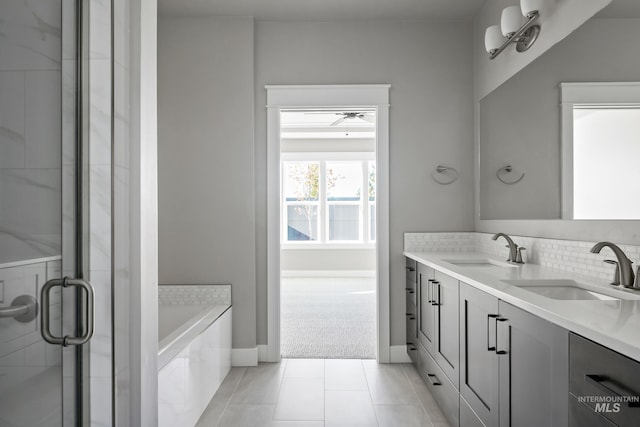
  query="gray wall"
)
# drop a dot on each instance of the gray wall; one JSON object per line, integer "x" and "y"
{"x": 211, "y": 232}
{"x": 205, "y": 160}
{"x": 429, "y": 68}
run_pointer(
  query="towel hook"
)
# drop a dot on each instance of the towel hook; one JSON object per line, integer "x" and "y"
{"x": 448, "y": 171}
{"x": 507, "y": 170}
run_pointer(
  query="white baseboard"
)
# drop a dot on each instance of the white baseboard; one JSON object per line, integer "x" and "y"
{"x": 244, "y": 356}
{"x": 263, "y": 353}
{"x": 398, "y": 354}
{"x": 328, "y": 273}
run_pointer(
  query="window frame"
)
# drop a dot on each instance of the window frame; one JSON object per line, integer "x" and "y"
{"x": 365, "y": 241}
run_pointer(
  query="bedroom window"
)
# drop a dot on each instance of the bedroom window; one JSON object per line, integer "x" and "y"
{"x": 330, "y": 200}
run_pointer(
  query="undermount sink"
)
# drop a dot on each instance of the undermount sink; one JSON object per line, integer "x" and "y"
{"x": 562, "y": 289}
{"x": 479, "y": 263}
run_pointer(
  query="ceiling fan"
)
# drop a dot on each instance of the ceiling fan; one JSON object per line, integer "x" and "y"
{"x": 350, "y": 115}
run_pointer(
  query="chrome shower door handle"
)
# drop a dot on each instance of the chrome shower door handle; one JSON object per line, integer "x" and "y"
{"x": 89, "y": 320}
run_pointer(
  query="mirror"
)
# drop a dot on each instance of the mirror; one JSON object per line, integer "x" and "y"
{"x": 521, "y": 131}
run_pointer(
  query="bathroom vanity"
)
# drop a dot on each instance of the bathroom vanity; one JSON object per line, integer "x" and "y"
{"x": 500, "y": 344}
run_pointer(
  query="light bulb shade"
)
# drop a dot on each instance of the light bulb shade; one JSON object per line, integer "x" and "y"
{"x": 511, "y": 20}
{"x": 493, "y": 38}
{"x": 529, "y": 6}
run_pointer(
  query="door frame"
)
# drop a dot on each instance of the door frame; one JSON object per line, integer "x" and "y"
{"x": 328, "y": 96}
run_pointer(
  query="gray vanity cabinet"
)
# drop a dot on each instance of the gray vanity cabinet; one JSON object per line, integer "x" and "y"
{"x": 514, "y": 365}
{"x": 533, "y": 359}
{"x": 411, "y": 311}
{"x": 447, "y": 342}
{"x": 478, "y": 360}
{"x": 426, "y": 307}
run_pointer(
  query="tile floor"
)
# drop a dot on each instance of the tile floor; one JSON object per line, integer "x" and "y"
{"x": 316, "y": 393}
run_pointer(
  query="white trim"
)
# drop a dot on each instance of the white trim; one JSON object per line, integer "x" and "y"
{"x": 334, "y": 245}
{"x": 398, "y": 354}
{"x": 585, "y": 94}
{"x": 319, "y": 96}
{"x": 328, "y": 273}
{"x": 359, "y": 156}
{"x": 244, "y": 356}
{"x": 263, "y": 353}
{"x": 600, "y": 93}
{"x": 352, "y": 96}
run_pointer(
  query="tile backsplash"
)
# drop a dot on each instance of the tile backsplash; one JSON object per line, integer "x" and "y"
{"x": 566, "y": 255}
{"x": 440, "y": 242}
{"x": 194, "y": 294}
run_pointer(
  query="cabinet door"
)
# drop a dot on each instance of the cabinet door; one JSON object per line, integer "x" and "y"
{"x": 447, "y": 345}
{"x": 534, "y": 369}
{"x": 426, "y": 308}
{"x": 478, "y": 360}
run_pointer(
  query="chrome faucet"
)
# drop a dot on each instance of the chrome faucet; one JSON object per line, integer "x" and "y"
{"x": 513, "y": 248}
{"x": 624, "y": 270}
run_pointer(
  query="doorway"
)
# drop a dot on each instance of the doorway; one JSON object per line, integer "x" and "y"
{"x": 320, "y": 199}
{"x": 328, "y": 245}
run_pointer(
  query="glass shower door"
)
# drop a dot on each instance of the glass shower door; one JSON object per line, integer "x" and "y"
{"x": 44, "y": 319}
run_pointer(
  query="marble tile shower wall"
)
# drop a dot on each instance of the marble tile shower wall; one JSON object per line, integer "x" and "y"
{"x": 30, "y": 130}
{"x": 194, "y": 294}
{"x": 566, "y": 255}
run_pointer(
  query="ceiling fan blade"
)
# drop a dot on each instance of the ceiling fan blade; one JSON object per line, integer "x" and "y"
{"x": 369, "y": 119}
{"x": 337, "y": 122}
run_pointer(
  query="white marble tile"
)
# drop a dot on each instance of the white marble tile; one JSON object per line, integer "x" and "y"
{"x": 31, "y": 201}
{"x": 68, "y": 105}
{"x": 344, "y": 375}
{"x": 349, "y": 409}
{"x": 305, "y": 368}
{"x": 68, "y": 29}
{"x": 12, "y": 119}
{"x": 100, "y": 401}
{"x": 100, "y": 112}
{"x": 68, "y": 239}
{"x": 188, "y": 382}
{"x": 43, "y": 115}
{"x": 300, "y": 399}
{"x": 100, "y": 217}
{"x": 30, "y": 34}
{"x": 121, "y": 117}
{"x": 100, "y": 344}
{"x": 100, "y": 29}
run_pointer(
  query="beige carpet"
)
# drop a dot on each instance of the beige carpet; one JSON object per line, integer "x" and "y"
{"x": 328, "y": 318}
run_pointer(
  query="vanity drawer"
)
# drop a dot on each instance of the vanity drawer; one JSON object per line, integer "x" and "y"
{"x": 605, "y": 381}
{"x": 440, "y": 387}
{"x": 582, "y": 415}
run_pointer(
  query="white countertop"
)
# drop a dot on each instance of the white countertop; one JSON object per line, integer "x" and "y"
{"x": 614, "y": 324}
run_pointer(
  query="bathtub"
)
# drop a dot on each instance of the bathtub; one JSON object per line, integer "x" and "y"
{"x": 194, "y": 357}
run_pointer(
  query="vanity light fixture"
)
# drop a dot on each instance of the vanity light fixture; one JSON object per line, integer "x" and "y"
{"x": 512, "y": 29}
